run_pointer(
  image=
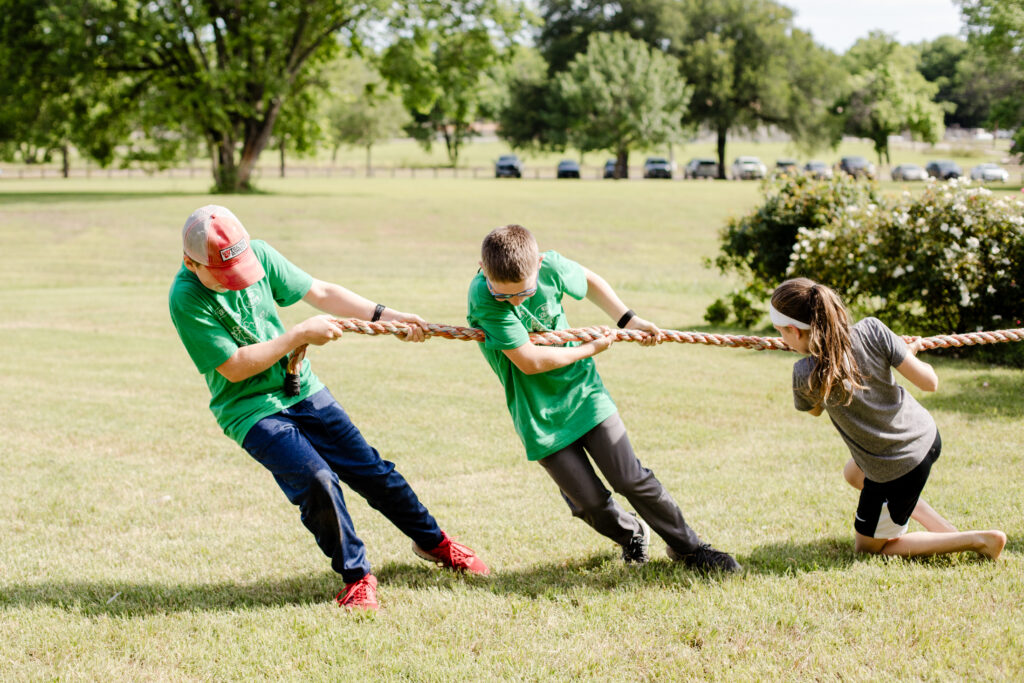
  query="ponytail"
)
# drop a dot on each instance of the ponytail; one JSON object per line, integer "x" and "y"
{"x": 835, "y": 370}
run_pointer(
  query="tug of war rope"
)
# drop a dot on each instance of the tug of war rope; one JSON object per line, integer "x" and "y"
{"x": 585, "y": 334}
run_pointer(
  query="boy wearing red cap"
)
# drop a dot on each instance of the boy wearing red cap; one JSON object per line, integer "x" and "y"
{"x": 223, "y": 303}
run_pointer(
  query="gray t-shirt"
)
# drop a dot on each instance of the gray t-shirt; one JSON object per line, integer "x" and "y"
{"x": 888, "y": 431}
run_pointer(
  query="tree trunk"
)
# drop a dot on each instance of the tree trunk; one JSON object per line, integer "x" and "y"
{"x": 281, "y": 147}
{"x": 65, "y": 167}
{"x": 721, "y": 153}
{"x": 369, "y": 163}
{"x": 622, "y": 163}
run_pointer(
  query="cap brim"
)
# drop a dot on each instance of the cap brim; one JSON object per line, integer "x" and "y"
{"x": 243, "y": 272}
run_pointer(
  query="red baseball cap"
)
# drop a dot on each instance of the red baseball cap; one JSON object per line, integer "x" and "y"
{"x": 214, "y": 237}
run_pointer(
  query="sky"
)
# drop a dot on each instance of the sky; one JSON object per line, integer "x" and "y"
{"x": 837, "y": 24}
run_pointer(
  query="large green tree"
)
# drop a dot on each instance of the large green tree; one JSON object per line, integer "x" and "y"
{"x": 752, "y": 68}
{"x": 441, "y": 62}
{"x": 50, "y": 99}
{"x": 204, "y": 69}
{"x": 887, "y": 95}
{"x": 997, "y": 28}
{"x": 621, "y": 95}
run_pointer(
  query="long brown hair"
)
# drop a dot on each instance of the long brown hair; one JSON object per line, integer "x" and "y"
{"x": 835, "y": 369}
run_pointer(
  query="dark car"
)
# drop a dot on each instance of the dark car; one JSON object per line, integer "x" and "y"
{"x": 857, "y": 167}
{"x": 701, "y": 168}
{"x": 656, "y": 167}
{"x": 786, "y": 167}
{"x": 568, "y": 169}
{"x": 609, "y": 168}
{"x": 818, "y": 170}
{"x": 943, "y": 170}
{"x": 508, "y": 166}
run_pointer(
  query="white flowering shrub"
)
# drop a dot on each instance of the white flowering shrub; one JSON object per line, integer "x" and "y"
{"x": 947, "y": 259}
{"x": 950, "y": 259}
{"x": 759, "y": 246}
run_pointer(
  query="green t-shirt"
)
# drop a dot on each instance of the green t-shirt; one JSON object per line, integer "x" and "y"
{"x": 213, "y": 325}
{"x": 552, "y": 409}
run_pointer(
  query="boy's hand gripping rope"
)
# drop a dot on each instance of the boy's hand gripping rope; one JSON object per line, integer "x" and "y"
{"x": 585, "y": 334}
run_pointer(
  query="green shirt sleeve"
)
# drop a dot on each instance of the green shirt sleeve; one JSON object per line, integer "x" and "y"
{"x": 288, "y": 282}
{"x": 571, "y": 277}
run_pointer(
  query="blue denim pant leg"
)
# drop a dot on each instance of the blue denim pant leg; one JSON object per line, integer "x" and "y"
{"x": 309, "y": 447}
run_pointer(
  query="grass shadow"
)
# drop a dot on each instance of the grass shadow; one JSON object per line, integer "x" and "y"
{"x": 556, "y": 581}
{"x": 99, "y": 196}
{"x": 982, "y": 395}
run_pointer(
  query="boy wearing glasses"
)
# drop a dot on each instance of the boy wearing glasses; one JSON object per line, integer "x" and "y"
{"x": 223, "y": 303}
{"x": 559, "y": 406}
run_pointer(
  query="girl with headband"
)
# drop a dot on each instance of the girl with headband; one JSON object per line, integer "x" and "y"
{"x": 892, "y": 438}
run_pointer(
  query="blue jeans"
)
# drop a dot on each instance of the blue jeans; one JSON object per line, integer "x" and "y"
{"x": 309, "y": 447}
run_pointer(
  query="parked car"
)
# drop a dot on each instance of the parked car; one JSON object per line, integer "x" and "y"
{"x": 508, "y": 166}
{"x": 943, "y": 170}
{"x": 657, "y": 167}
{"x": 568, "y": 169}
{"x": 747, "y": 168}
{"x": 609, "y": 168}
{"x": 857, "y": 167}
{"x": 818, "y": 170}
{"x": 786, "y": 167}
{"x": 701, "y": 168}
{"x": 990, "y": 173}
{"x": 908, "y": 172}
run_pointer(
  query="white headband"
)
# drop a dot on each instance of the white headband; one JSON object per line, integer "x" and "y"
{"x": 783, "y": 320}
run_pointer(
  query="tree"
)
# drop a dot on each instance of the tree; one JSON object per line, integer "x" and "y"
{"x": 221, "y": 72}
{"x": 441, "y": 60}
{"x": 996, "y": 27}
{"x": 621, "y": 94}
{"x": 52, "y": 100}
{"x": 887, "y": 95}
{"x": 749, "y": 67}
{"x": 361, "y": 111}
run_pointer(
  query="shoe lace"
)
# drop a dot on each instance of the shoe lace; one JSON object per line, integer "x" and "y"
{"x": 458, "y": 554}
{"x": 357, "y": 593}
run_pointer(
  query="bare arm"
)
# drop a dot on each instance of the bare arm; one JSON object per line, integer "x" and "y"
{"x": 605, "y": 298}
{"x": 921, "y": 374}
{"x": 532, "y": 359}
{"x": 249, "y": 361}
{"x": 344, "y": 303}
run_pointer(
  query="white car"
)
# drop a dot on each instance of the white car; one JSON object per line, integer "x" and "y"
{"x": 747, "y": 168}
{"x": 990, "y": 173}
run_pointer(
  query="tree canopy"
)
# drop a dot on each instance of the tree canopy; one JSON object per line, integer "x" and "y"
{"x": 621, "y": 94}
{"x": 887, "y": 94}
{"x": 997, "y": 28}
{"x": 441, "y": 62}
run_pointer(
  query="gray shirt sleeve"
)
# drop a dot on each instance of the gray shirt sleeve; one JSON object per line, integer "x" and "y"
{"x": 802, "y": 399}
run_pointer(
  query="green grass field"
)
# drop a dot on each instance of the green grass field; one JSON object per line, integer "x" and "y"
{"x": 139, "y": 543}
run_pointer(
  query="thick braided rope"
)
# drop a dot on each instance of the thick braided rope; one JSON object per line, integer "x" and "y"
{"x": 585, "y": 334}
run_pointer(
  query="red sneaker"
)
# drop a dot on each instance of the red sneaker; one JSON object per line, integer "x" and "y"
{"x": 359, "y": 595}
{"x": 451, "y": 554}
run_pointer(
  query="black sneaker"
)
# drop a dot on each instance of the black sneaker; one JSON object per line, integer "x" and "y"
{"x": 706, "y": 559}
{"x": 635, "y": 551}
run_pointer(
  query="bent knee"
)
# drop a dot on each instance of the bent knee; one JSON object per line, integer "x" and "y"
{"x": 869, "y": 546}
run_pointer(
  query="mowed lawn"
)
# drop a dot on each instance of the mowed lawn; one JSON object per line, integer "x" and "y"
{"x": 138, "y": 543}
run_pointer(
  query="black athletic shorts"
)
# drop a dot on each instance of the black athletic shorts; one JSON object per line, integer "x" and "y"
{"x": 884, "y": 509}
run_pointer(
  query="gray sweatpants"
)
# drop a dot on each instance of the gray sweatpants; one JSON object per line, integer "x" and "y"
{"x": 608, "y": 446}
